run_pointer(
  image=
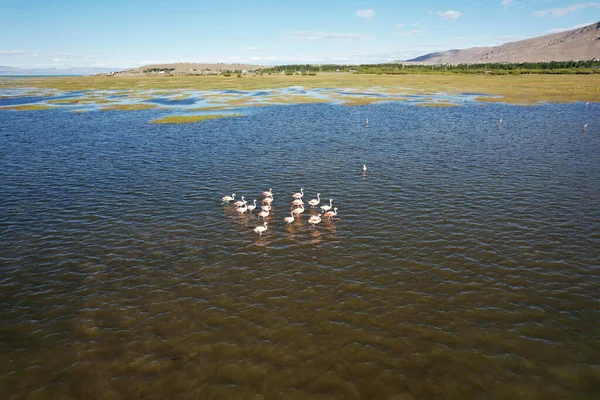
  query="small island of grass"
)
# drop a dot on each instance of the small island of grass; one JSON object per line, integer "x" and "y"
{"x": 187, "y": 119}
{"x": 28, "y": 107}
{"x": 128, "y": 107}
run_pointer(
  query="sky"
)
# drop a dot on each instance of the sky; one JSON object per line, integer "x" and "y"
{"x": 130, "y": 33}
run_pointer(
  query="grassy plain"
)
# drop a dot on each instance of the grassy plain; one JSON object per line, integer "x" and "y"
{"x": 517, "y": 89}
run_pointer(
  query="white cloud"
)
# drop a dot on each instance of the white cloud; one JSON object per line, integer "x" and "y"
{"x": 365, "y": 13}
{"x": 253, "y": 48}
{"x": 9, "y": 53}
{"x": 311, "y": 36}
{"x": 557, "y": 12}
{"x": 507, "y": 3}
{"x": 399, "y": 25}
{"x": 556, "y": 30}
{"x": 413, "y": 32}
{"x": 450, "y": 14}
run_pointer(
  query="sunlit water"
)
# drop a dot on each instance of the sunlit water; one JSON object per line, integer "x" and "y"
{"x": 464, "y": 263}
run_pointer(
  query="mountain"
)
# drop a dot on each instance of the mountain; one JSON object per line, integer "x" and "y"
{"x": 576, "y": 44}
{"x": 53, "y": 71}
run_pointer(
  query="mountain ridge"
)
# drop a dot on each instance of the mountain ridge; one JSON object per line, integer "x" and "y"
{"x": 581, "y": 43}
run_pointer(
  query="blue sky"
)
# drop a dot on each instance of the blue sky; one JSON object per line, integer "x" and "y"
{"x": 120, "y": 34}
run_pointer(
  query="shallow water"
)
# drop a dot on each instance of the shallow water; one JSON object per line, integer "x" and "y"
{"x": 464, "y": 263}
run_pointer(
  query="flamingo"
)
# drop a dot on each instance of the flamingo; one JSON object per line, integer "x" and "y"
{"x": 268, "y": 193}
{"x": 243, "y": 209}
{"x": 316, "y": 201}
{"x": 266, "y": 208}
{"x": 298, "y": 210}
{"x": 227, "y": 199}
{"x": 289, "y": 220}
{"x": 263, "y": 214}
{"x": 268, "y": 200}
{"x": 297, "y": 203}
{"x": 260, "y": 229}
{"x": 299, "y": 195}
{"x": 585, "y": 127}
{"x": 240, "y": 203}
{"x": 330, "y": 214}
{"x": 251, "y": 207}
{"x": 365, "y": 167}
{"x": 327, "y": 208}
{"x": 315, "y": 219}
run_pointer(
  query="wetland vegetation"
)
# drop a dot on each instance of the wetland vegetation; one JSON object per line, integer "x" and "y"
{"x": 516, "y": 89}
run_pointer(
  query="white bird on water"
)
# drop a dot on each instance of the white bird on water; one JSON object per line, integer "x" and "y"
{"x": 299, "y": 195}
{"x": 315, "y": 202}
{"x": 315, "y": 219}
{"x": 327, "y": 208}
{"x": 587, "y": 104}
{"x": 289, "y": 220}
{"x": 264, "y": 214}
{"x": 227, "y": 199}
{"x": 367, "y": 122}
{"x": 268, "y": 193}
{"x": 251, "y": 207}
{"x": 240, "y": 203}
{"x": 330, "y": 214}
{"x": 364, "y": 167}
{"x": 585, "y": 127}
{"x": 260, "y": 229}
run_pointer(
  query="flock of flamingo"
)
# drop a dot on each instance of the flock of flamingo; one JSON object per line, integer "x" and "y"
{"x": 296, "y": 210}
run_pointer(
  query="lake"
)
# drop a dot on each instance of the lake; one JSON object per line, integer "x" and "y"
{"x": 464, "y": 263}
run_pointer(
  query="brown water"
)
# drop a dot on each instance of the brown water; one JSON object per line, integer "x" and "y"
{"x": 464, "y": 264}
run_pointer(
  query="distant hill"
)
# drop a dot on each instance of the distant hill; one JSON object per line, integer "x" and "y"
{"x": 576, "y": 44}
{"x": 188, "y": 69}
{"x": 53, "y": 71}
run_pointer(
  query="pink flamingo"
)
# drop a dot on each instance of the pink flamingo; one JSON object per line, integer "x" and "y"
{"x": 268, "y": 193}
{"x": 330, "y": 214}
{"x": 227, "y": 199}
{"x": 251, "y": 207}
{"x": 260, "y": 229}
{"x": 297, "y": 203}
{"x": 240, "y": 203}
{"x": 315, "y": 202}
{"x": 289, "y": 220}
{"x": 299, "y": 195}
{"x": 263, "y": 214}
{"x": 298, "y": 210}
{"x": 242, "y": 209}
{"x": 268, "y": 200}
{"x": 327, "y": 208}
{"x": 315, "y": 219}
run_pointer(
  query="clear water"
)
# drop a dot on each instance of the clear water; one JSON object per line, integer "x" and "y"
{"x": 464, "y": 263}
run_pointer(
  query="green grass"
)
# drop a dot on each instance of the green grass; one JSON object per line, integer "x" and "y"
{"x": 187, "y": 119}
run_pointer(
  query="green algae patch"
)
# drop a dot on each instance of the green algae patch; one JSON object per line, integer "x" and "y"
{"x": 188, "y": 119}
{"x": 437, "y": 105}
{"x": 29, "y": 107}
{"x": 128, "y": 107}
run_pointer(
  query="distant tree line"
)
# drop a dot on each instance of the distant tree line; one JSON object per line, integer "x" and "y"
{"x": 149, "y": 70}
{"x": 552, "y": 67}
